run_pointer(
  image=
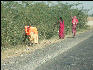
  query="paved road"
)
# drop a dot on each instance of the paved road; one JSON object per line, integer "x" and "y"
{"x": 78, "y": 58}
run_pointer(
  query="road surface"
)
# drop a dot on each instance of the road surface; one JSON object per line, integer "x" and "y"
{"x": 62, "y": 54}
{"x": 78, "y": 58}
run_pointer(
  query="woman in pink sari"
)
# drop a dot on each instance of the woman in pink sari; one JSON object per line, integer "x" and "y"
{"x": 74, "y": 24}
{"x": 61, "y": 28}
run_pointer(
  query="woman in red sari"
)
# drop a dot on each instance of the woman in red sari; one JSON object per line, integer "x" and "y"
{"x": 61, "y": 28}
{"x": 74, "y": 24}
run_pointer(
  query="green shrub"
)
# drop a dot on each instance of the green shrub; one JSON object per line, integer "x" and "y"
{"x": 15, "y": 16}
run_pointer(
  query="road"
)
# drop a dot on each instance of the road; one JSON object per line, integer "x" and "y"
{"x": 62, "y": 55}
{"x": 79, "y": 57}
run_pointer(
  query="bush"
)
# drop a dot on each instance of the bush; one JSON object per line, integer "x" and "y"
{"x": 15, "y": 16}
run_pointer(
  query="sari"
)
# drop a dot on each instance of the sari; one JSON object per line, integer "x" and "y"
{"x": 74, "y": 25}
{"x": 61, "y": 30}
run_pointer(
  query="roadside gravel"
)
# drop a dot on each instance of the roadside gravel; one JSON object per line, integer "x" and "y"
{"x": 40, "y": 56}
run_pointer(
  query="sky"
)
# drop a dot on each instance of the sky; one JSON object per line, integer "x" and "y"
{"x": 85, "y": 4}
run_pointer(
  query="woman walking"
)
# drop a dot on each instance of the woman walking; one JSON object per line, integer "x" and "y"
{"x": 61, "y": 28}
{"x": 74, "y": 24}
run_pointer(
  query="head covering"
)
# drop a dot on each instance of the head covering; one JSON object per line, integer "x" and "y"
{"x": 74, "y": 20}
{"x": 74, "y": 16}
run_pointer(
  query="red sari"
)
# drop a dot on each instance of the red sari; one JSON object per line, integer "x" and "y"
{"x": 61, "y": 29}
{"x": 74, "y": 24}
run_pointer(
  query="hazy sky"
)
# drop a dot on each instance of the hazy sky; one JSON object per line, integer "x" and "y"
{"x": 85, "y": 4}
